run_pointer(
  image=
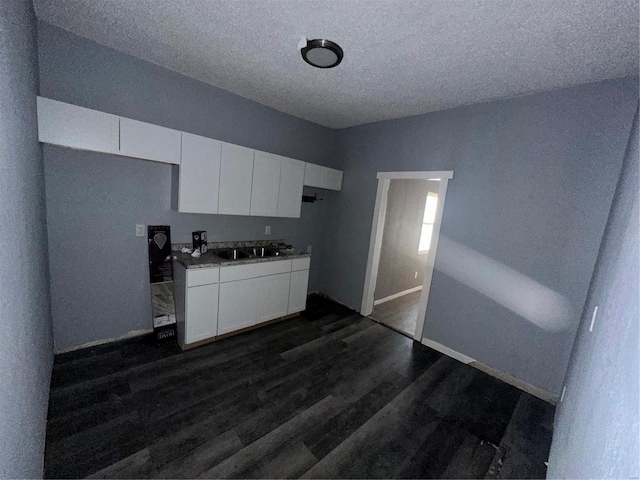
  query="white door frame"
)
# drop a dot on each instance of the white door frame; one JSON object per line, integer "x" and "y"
{"x": 375, "y": 243}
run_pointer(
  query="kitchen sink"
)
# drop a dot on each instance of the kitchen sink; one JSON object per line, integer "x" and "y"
{"x": 231, "y": 253}
{"x": 262, "y": 252}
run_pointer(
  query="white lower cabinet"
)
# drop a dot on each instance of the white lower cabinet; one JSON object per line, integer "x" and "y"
{"x": 238, "y": 305}
{"x": 202, "y": 313}
{"x": 298, "y": 291}
{"x": 195, "y": 292}
{"x": 215, "y": 301}
{"x": 273, "y": 296}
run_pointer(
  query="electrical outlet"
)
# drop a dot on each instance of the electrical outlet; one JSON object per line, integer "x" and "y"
{"x": 267, "y": 230}
{"x": 416, "y": 275}
{"x": 139, "y": 230}
{"x": 308, "y": 248}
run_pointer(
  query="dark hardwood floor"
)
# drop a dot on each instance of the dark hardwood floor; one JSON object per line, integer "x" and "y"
{"x": 400, "y": 313}
{"x": 328, "y": 394}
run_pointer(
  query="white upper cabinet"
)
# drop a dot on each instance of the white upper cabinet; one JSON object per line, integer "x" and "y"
{"x": 290, "y": 196}
{"x": 77, "y": 127}
{"x": 199, "y": 174}
{"x": 322, "y": 177}
{"x": 266, "y": 184}
{"x": 150, "y": 142}
{"x": 236, "y": 172}
{"x": 333, "y": 179}
{"x": 313, "y": 175}
{"x": 214, "y": 176}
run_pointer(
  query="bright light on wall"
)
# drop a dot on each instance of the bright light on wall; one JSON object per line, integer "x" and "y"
{"x": 428, "y": 220}
{"x": 511, "y": 289}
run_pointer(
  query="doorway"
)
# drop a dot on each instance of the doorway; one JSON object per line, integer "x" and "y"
{"x": 402, "y": 250}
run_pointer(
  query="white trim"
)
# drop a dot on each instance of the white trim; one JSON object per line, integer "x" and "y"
{"x": 397, "y": 295}
{"x": 447, "y": 351}
{"x": 375, "y": 241}
{"x": 524, "y": 386}
{"x": 131, "y": 334}
{"x": 431, "y": 260}
{"x": 440, "y": 175}
{"x": 519, "y": 384}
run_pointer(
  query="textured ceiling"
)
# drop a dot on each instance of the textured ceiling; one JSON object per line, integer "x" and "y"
{"x": 401, "y": 57}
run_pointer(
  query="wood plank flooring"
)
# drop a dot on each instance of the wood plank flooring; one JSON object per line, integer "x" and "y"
{"x": 400, "y": 313}
{"x": 328, "y": 394}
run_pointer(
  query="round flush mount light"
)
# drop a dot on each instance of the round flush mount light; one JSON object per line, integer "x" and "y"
{"x": 322, "y": 53}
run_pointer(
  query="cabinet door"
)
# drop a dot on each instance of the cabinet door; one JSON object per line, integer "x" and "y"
{"x": 290, "y": 196}
{"x": 202, "y": 313}
{"x": 199, "y": 174}
{"x": 322, "y": 177}
{"x": 332, "y": 179}
{"x": 273, "y": 296}
{"x": 68, "y": 125}
{"x": 266, "y": 184}
{"x": 313, "y": 175}
{"x": 150, "y": 142}
{"x": 236, "y": 172}
{"x": 298, "y": 291}
{"x": 237, "y": 309}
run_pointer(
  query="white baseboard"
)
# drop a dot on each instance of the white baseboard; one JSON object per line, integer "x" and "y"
{"x": 398, "y": 295}
{"x": 524, "y": 386}
{"x": 447, "y": 351}
{"x": 131, "y": 334}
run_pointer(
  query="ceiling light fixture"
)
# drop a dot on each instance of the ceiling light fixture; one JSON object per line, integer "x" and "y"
{"x": 321, "y": 53}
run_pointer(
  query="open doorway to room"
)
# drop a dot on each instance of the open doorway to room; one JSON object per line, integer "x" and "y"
{"x": 404, "y": 239}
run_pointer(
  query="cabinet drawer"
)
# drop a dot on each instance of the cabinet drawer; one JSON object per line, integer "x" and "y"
{"x": 202, "y": 276}
{"x": 301, "y": 264}
{"x": 254, "y": 270}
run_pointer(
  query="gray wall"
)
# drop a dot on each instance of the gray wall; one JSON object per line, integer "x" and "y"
{"x": 534, "y": 179}
{"x": 26, "y": 349}
{"x": 399, "y": 258}
{"x": 99, "y": 281}
{"x": 597, "y": 423}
